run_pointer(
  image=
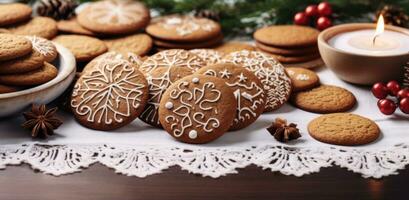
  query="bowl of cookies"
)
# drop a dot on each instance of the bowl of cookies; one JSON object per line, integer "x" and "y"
{"x": 32, "y": 70}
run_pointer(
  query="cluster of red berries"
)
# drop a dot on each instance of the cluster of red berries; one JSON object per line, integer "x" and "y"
{"x": 320, "y": 14}
{"x": 392, "y": 88}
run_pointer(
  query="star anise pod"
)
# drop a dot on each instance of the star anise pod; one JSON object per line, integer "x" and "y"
{"x": 283, "y": 132}
{"x": 41, "y": 121}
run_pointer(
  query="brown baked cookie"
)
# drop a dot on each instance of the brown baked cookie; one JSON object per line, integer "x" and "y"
{"x": 73, "y": 27}
{"x": 309, "y": 64}
{"x": 110, "y": 95}
{"x": 14, "y": 13}
{"x": 39, "y": 76}
{"x": 324, "y": 99}
{"x": 197, "y": 109}
{"x": 287, "y": 51}
{"x": 210, "y": 56}
{"x": 287, "y": 36}
{"x": 114, "y": 17}
{"x": 277, "y": 84}
{"x": 295, "y": 59}
{"x": 23, "y": 64}
{"x": 183, "y": 28}
{"x": 248, "y": 91}
{"x": 302, "y": 79}
{"x": 344, "y": 129}
{"x": 83, "y": 47}
{"x": 44, "y": 27}
{"x": 190, "y": 45}
{"x": 12, "y": 46}
{"x": 159, "y": 79}
{"x": 3, "y": 30}
{"x": 139, "y": 44}
{"x": 4, "y": 89}
{"x": 172, "y": 58}
{"x": 229, "y": 47}
{"x": 45, "y": 47}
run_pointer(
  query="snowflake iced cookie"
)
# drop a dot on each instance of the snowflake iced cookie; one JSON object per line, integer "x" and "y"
{"x": 114, "y": 16}
{"x": 248, "y": 91}
{"x": 197, "y": 109}
{"x": 109, "y": 95}
{"x": 45, "y": 47}
{"x": 183, "y": 28}
{"x": 210, "y": 56}
{"x": 121, "y": 55}
{"x": 277, "y": 84}
{"x": 302, "y": 79}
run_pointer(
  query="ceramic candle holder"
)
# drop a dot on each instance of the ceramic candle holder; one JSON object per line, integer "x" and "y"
{"x": 358, "y": 68}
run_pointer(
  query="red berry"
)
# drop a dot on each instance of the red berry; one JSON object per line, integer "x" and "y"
{"x": 311, "y": 11}
{"x": 379, "y": 90}
{"x": 301, "y": 19}
{"x": 404, "y": 105}
{"x": 323, "y": 23}
{"x": 386, "y": 106}
{"x": 403, "y": 93}
{"x": 324, "y": 9}
{"x": 393, "y": 87}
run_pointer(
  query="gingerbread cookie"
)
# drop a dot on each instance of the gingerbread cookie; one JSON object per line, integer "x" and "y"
{"x": 229, "y": 47}
{"x": 197, "y": 109}
{"x": 294, "y": 59}
{"x": 114, "y": 16}
{"x": 42, "y": 75}
{"x": 139, "y": 44}
{"x": 309, "y": 64}
{"x": 173, "y": 58}
{"x": 287, "y": 36}
{"x": 287, "y": 51}
{"x": 27, "y": 63}
{"x": 189, "y": 45}
{"x": 159, "y": 79}
{"x": 83, "y": 47}
{"x": 208, "y": 55}
{"x": 14, "y": 13}
{"x": 324, "y": 99}
{"x": 124, "y": 55}
{"x": 44, "y": 27}
{"x": 12, "y": 46}
{"x": 302, "y": 79}
{"x": 4, "y": 89}
{"x": 45, "y": 47}
{"x": 277, "y": 84}
{"x": 344, "y": 129}
{"x": 248, "y": 91}
{"x": 72, "y": 26}
{"x": 183, "y": 28}
{"x": 109, "y": 95}
{"x": 3, "y": 30}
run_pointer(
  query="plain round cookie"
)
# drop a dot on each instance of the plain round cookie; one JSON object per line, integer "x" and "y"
{"x": 248, "y": 91}
{"x": 42, "y": 75}
{"x": 308, "y": 65}
{"x": 197, "y": 109}
{"x": 343, "y": 129}
{"x": 14, "y": 13}
{"x": 295, "y": 59}
{"x": 72, "y": 26}
{"x": 45, "y": 47}
{"x": 44, "y": 27}
{"x": 189, "y": 45}
{"x": 210, "y": 56}
{"x": 114, "y": 16}
{"x": 229, "y": 47}
{"x": 183, "y": 28}
{"x": 12, "y": 46}
{"x": 83, "y": 47}
{"x": 109, "y": 95}
{"x": 302, "y": 79}
{"x": 4, "y": 89}
{"x": 277, "y": 84}
{"x": 24, "y": 64}
{"x": 287, "y": 36}
{"x": 287, "y": 51}
{"x": 324, "y": 99}
{"x": 139, "y": 44}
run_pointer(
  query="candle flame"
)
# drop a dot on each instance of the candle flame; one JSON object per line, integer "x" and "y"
{"x": 380, "y": 28}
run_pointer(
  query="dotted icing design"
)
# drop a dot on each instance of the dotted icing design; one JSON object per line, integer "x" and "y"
{"x": 186, "y": 25}
{"x": 43, "y": 46}
{"x": 108, "y": 93}
{"x": 302, "y": 77}
{"x": 118, "y": 12}
{"x": 208, "y": 55}
{"x": 188, "y": 118}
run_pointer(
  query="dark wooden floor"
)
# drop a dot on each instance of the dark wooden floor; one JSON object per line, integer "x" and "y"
{"x": 101, "y": 183}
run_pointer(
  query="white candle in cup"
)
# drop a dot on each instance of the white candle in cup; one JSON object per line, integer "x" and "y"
{"x": 369, "y": 42}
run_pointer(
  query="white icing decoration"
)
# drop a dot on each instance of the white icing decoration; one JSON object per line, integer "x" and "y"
{"x": 169, "y": 105}
{"x": 106, "y": 89}
{"x": 116, "y": 12}
{"x": 186, "y": 25}
{"x": 193, "y": 134}
{"x": 43, "y": 46}
{"x": 208, "y": 55}
{"x": 290, "y": 72}
{"x": 195, "y": 80}
{"x": 129, "y": 56}
{"x": 302, "y": 77}
{"x": 225, "y": 74}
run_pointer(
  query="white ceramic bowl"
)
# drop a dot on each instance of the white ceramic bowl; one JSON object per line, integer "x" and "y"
{"x": 12, "y": 103}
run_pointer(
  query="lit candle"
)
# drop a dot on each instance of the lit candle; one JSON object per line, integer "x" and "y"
{"x": 379, "y": 42}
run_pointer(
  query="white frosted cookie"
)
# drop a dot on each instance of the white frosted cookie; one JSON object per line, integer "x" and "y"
{"x": 44, "y": 47}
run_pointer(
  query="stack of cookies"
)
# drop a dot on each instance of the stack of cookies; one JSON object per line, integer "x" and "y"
{"x": 184, "y": 32}
{"x": 25, "y": 61}
{"x": 290, "y": 44}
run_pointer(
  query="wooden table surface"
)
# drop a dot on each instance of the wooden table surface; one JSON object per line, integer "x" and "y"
{"x": 99, "y": 182}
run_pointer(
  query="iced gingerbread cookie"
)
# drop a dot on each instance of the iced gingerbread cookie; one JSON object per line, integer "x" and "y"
{"x": 13, "y": 13}
{"x": 45, "y": 47}
{"x": 27, "y": 63}
{"x": 248, "y": 91}
{"x": 12, "y": 46}
{"x": 83, "y": 47}
{"x": 197, "y": 109}
{"x": 302, "y": 79}
{"x": 183, "y": 28}
{"x": 109, "y": 95}
{"x": 277, "y": 84}
{"x": 139, "y": 44}
{"x": 210, "y": 56}
{"x": 173, "y": 58}
{"x": 39, "y": 76}
{"x": 159, "y": 80}
{"x": 114, "y": 16}
{"x": 44, "y": 27}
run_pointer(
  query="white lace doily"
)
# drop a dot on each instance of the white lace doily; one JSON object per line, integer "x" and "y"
{"x": 140, "y": 150}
